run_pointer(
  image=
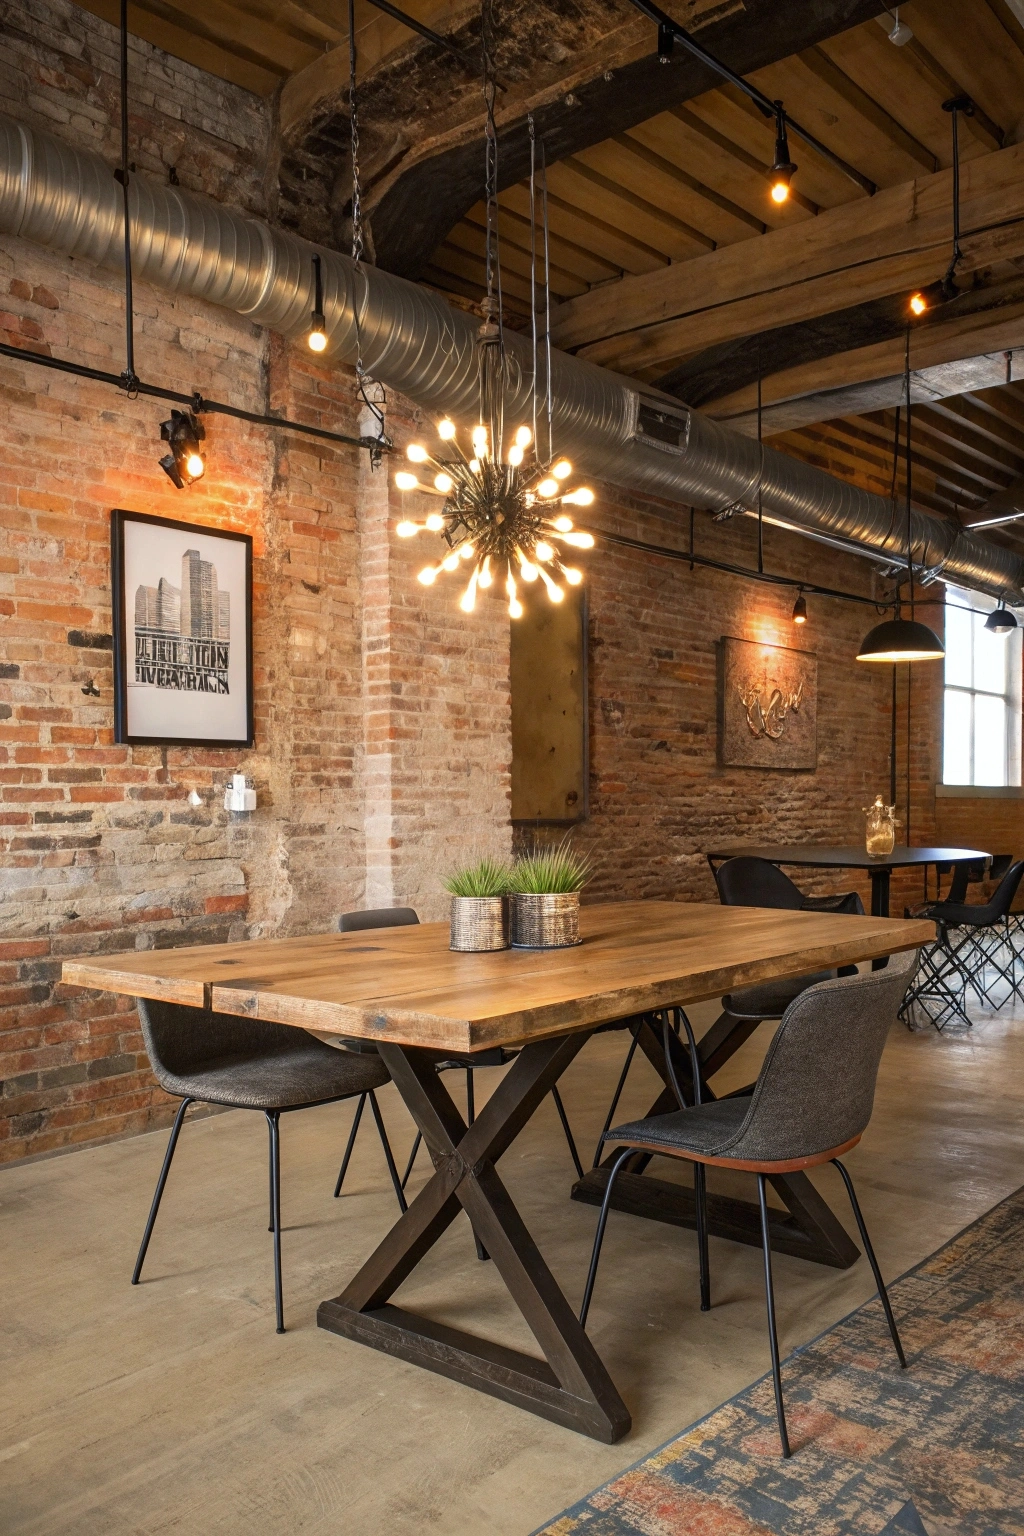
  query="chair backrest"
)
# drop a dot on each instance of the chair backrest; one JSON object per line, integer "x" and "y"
{"x": 181, "y": 1040}
{"x": 746, "y": 882}
{"x": 377, "y": 917}
{"x": 816, "y": 1088}
{"x": 998, "y": 865}
{"x": 1001, "y": 901}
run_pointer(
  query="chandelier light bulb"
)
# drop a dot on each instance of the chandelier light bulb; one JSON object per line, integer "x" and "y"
{"x": 524, "y": 437}
{"x": 548, "y": 488}
{"x": 515, "y": 608}
{"x": 579, "y": 540}
{"x": 195, "y": 466}
{"x": 474, "y": 465}
{"x": 562, "y": 525}
{"x": 485, "y": 577}
{"x": 450, "y": 562}
{"x": 446, "y": 430}
{"x": 443, "y": 482}
{"x": 562, "y": 470}
{"x": 417, "y": 453}
{"x": 480, "y": 441}
{"x": 434, "y": 522}
{"x": 527, "y": 569}
{"x": 543, "y": 551}
{"x": 515, "y": 454}
{"x": 572, "y": 575}
{"x": 582, "y": 498}
{"x": 468, "y": 600}
{"x": 405, "y": 481}
{"x": 554, "y": 591}
{"x": 466, "y": 551}
{"x": 428, "y": 576}
{"x": 407, "y": 530}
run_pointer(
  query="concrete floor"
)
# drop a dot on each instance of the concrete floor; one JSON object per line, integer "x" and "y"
{"x": 174, "y": 1407}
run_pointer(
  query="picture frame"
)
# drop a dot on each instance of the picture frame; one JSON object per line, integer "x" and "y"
{"x": 182, "y": 633}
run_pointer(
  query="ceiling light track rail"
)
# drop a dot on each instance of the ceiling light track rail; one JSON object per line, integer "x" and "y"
{"x": 671, "y": 30}
{"x": 196, "y": 402}
{"x": 425, "y": 32}
{"x": 691, "y": 558}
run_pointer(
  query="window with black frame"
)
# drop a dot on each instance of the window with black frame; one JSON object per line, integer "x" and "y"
{"x": 982, "y": 699}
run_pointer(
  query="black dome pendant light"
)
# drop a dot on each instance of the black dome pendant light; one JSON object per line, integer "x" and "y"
{"x": 900, "y": 639}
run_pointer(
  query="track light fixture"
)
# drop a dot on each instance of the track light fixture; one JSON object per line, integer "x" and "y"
{"x": 666, "y": 43}
{"x": 783, "y": 169}
{"x": 1001, "y": 621}
{"x": 185, "y": 461}
{"x": 317, "y": 337}
{"x": 800, "y": 610}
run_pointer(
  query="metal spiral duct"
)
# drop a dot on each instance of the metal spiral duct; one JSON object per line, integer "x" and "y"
{"x": 414, "y": 342}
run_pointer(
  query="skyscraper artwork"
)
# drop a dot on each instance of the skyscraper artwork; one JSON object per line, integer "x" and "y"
{"x": 184, "y": 595}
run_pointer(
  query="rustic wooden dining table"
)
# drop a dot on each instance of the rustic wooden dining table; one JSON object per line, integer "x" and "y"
{"x": 403, "y": 989}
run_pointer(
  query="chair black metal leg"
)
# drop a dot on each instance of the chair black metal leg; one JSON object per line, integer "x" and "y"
{"x": 883, "y": 1294}
{"x": 602, "y": 1222}
{"x": 350, "y": 1144}
{"x": 617, "y": 1094}
{"x": 396, "y": 1181}
{"x": 573, "y": 1153}
{"x": 700, "y": 1198}
{"x": 274, "y": 1126}
{"x": 158, "y": 1195}
{"x": 773, "y": 1337}
{"x": 412, "y": 1158}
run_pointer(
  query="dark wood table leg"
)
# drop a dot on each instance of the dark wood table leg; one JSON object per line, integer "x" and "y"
{"x": 570, "y": 1384}
{"x": 807, "y": 1228}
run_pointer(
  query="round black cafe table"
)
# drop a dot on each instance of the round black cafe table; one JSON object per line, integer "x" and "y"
{"x": 821, "y": 856}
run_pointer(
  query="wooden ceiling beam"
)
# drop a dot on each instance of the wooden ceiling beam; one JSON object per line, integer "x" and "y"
{"x": 737, "y": 152}
{"x": 675, "y": 173}
{"x": 870, "y": 249}
{"x": 865, "y": 106}
{"x": 182, "y": 41}
{"x": 651, "y": 211}
{"x": 984, "y": 422}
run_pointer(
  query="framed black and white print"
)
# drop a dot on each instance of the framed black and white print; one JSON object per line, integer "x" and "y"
{"x": 182, "y": 633}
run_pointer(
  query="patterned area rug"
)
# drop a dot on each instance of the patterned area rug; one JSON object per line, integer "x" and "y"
{"x": 938, "y": 1448}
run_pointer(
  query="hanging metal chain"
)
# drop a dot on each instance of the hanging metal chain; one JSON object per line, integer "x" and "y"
{"x": 490, "y": 340}
{"x": 375, "y": 403}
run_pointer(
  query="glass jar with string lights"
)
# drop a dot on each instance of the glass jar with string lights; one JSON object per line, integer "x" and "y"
{"x": 502, "y": 516}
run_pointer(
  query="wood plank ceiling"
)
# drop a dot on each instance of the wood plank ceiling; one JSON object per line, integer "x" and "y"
{"x": 672, "y": 195}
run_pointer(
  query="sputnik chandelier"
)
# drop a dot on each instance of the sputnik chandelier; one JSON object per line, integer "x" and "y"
{"x": 502, "y": 515}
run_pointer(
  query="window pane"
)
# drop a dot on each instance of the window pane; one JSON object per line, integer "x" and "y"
{"x": 958, "y": 654}
{"x": 989, "y": 658}
{"x": 956, "y": 751}
{"x": 989, "y": 740}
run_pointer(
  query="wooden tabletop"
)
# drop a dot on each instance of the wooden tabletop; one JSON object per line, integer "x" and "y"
{"x": 405, "y": 985}
{"x": 822, "y": 856}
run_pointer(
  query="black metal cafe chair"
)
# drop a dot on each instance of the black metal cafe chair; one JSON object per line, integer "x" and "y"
{"x": 498, "y": 1056}
{"x": 967, "y": 944}
{"x": 811, "y": 1103}
{"x": 748, "y": 882}
{"x": 217, "y": 1058}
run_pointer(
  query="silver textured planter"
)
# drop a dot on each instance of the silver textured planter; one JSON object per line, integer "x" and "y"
{"x": 545, "y": 922}
{"x": 479, "y": 923}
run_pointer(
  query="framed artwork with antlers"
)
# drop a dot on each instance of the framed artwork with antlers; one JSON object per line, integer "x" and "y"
{"x": 767, "y": 706}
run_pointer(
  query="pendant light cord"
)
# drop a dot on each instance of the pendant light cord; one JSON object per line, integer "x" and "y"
{"x": 910, "y": 465}
{"x": 129, "y": 377}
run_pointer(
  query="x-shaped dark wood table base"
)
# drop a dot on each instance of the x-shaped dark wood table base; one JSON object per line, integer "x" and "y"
{"x": 808, "y": 1229}
{"x": 571, "y": 1385}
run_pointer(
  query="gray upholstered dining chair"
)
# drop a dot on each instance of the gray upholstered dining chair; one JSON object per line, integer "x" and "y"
{"x": 747, "y": 882}
{"x": 218, "y": 1058}
{"x": 811, "y": 1103}
{"x": 497, "y": 1056}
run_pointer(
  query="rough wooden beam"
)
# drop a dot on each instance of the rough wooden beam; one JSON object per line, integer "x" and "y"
{"x": 858, "y": 252}
{"x": 439, "y": 178}
{"x": 865, "y": 106}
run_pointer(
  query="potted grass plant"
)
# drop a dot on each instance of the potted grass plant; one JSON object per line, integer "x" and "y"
{"x": 545, "y": 899}
{"x": 479, "y": 910}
